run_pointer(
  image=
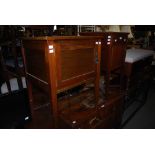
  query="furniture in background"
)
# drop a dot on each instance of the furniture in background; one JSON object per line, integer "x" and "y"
{"x": 85, "y": 28}
{"x": 14, "y": 103}
{"x": 50, "y": 30}
{"x": 112, "y": 58}
{"x": 65, "y": 30}
{"x": 11, "y": 55}
{"x": 137, "y": 68}
{"x": 138, "y": 75}
{"x": 11, "y": 51}
{"x": 38, "y": 30}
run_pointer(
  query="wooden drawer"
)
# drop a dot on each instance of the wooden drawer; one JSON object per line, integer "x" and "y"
{"x": 92, "y": 121}
{"x": 111, "y": 112}
{"x": 79, "y": 117}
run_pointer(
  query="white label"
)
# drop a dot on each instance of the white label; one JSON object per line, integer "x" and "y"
{"x": 51, "y": 51}
{"x": 26, "y": 118}
{"x": 109, "y": 39}
{"x": 50, "y": 46}
{"x": 102, "y": 106}
{"x": 120, "y": 38}
{"x": 108, "y": 43}
{"x": 98, "y": 43}
{"x": 74, "y": 122}
{"x": 109, "y": 36}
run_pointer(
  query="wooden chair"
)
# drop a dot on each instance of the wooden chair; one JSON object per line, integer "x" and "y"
{"x": 14, "y": 105}
{"x": 12, "y": 60}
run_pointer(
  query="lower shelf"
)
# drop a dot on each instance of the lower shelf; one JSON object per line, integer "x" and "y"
{"x": 105, "y": 115}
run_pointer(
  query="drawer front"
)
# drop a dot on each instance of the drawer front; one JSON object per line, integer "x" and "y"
{"x": 111, "y": 113}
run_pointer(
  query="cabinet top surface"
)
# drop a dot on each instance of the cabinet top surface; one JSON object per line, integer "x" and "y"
{"x": 52, "y": 38}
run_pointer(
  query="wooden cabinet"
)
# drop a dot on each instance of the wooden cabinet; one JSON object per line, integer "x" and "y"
{"x": 67, "y": 69}
{"x": 57, "y": 65}
{"x": 112, "y": 56}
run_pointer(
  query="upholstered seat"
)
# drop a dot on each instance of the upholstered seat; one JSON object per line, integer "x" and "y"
{"x": 133, "y": 54}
